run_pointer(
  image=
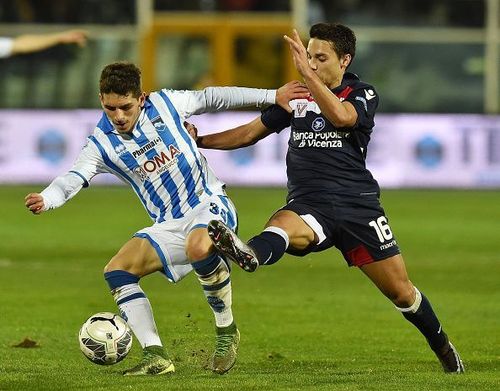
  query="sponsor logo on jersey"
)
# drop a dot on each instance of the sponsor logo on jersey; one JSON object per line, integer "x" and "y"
{"x": 120, "y": 149}
{"x": 159, "y": 163}
{"x": 332, "y": 139}
{"x": 318, "y": 124}
{"x": 147, "y": 147}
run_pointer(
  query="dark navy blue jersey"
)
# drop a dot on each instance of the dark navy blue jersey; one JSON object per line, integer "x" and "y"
{"x": 324, "y": 161}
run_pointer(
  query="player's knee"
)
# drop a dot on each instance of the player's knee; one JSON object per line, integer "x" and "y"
{"x": 198, "y": 245}
{"x": 117, "y": 264}
{"x": 403, "y": 296}
{"x": 300, "y": 234}
{"x": 197, "y": 251}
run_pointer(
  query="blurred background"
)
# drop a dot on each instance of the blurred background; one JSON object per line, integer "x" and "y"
{"x": 435, "y": 65}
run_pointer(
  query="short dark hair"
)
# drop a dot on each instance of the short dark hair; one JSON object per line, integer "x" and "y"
{"x": 342, "y": 38}
{"x": 122, "y": 78}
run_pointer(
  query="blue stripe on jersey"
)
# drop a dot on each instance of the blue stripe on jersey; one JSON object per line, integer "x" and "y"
{"x": 120, "y": 173}
{"x": 85, "y": 181}
{"x": 185, "y": 136}
{"x": 105, "y": 124}
{"x": 127, "y": 158}
{"x": 160, "y": 253}
{"x": 231, "y": 220}
{"x": 166, "y": 181}
{"x": 182, "y": 163}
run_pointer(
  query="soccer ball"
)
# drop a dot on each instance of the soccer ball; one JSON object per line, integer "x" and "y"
{"x": 105, "y": 338}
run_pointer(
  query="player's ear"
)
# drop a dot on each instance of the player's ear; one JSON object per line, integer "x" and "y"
{"x": 142, "y": 99}
{"x": 345, "y": 61}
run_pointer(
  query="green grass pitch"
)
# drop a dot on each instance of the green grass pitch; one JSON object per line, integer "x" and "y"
{"x": 306, "y": 323}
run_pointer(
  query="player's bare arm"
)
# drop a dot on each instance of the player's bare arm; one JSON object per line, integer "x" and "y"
{"x": 241, "y": 136}
{"x": 32, "y": 43}
{"x": 34, "y": 202}
{"x": 341, "y": 114}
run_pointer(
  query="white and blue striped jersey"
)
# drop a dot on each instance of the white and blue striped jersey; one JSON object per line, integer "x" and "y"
{"x": 158, "y": 159}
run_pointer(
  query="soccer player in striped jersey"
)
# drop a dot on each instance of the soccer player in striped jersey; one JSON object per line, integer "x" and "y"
{"x": 143, "y": 140}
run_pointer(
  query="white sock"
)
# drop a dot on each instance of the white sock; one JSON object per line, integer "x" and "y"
{"x": 136, "y": 309}
{"x": 220, "y": 299}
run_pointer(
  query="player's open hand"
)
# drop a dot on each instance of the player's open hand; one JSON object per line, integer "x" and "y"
{"x": 291, "y": 90}
{"x": 299, "y": 52}
{"x": 34, "y": 202}
{"x": 78, "y": 37}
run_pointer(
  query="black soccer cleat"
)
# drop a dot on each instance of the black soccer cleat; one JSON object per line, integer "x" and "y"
{"x": 229, "y": 244}
{"x": 450, "y": 359}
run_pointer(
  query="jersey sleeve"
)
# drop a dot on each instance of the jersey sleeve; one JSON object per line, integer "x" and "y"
{"x": 89, "y": 162}
{"x": 276, "y": 118}
{"x": 213, "y": 99}
{"x": 64, "y": 187}
{"x": 6, "y": 46}
{"x": 365, "y": 101}
{"x": 61, "y": 189}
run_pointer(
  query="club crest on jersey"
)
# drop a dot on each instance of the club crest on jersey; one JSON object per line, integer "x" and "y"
{"x": 158, "y": 123}
{"x": 318, "y": 124}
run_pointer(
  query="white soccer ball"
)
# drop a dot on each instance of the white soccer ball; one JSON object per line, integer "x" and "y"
{"x": 105, "y": 338}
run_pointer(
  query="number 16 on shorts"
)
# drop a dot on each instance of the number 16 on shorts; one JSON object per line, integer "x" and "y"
{"x": 382, "y": 229}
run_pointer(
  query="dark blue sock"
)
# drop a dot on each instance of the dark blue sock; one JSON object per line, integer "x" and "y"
{"x": 206, "y": 266}
{"x": 118, "y": 278}
{"x": 427, "y": 322}
{"x": 268, "y": 246}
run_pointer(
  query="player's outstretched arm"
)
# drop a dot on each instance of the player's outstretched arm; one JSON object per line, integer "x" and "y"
{"x": 61, "y": 190}
{"x": 215, "y": 99}
{"x": 34, "y": 202}
{"x": 34, "y": 43}
{"x": 241, "y": 136}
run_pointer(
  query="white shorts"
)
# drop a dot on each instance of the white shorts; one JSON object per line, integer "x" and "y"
{"x": 169, "y": 237}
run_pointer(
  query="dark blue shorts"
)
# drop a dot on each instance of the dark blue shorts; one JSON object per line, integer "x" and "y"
{"x": 357, "y": 226}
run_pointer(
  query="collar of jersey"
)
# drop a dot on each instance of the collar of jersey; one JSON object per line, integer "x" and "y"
{"x": 348, "y": 78}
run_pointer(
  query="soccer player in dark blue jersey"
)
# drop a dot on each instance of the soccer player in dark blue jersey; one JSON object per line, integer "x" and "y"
{"x": 333, "y": 199}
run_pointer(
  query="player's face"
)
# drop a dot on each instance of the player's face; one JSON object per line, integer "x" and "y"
{"x": 326, "y": 63}
{"x": 122, "y": 110}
